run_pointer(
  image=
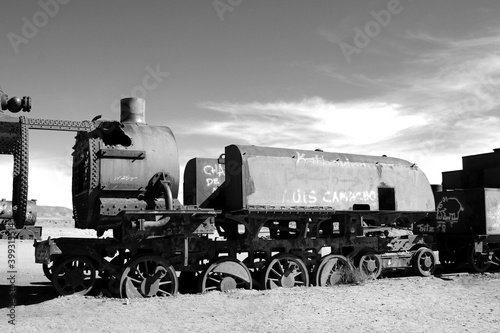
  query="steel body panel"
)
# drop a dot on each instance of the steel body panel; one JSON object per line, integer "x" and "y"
{"x": 262, "y": 176}
{"x": 125, "y": 173}
{"x": 10, "y": 134}
{"x": 202, "y": 179}
{"x": 119, "y": 167}
{"x": 492, "y": 207}
{"x": 465, "y": 212}
{"x": 482, "y": 170}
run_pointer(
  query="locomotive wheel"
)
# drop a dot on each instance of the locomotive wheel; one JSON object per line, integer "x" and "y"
{"x": 73, "y": 275}
{"x": 148, "y": 276}
{"x": 478, "y": 261}
{"x": 370, "y": 266}
{"x": 332, "y": 270}
{"x": 284, "y": 270}
{"x": 47, "y": 270}
{"x": 424, "y": 262}
{"x": 225, "y": 274}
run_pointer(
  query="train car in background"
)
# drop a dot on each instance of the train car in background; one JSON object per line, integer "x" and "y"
{"x": 466, "y": 225}
{"x": 17, "y": 216}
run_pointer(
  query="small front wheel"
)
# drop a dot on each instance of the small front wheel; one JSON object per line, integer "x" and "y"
{"x": 424, "y": 262}
{"x": 73, "y": 275}
{"x": 370, "y": 266}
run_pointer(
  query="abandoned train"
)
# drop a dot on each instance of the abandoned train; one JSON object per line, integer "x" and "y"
{"x": 256, "y": 217}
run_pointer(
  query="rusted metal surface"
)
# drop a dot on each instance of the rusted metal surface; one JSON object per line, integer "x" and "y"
{"x": 7, "y": 212}
{"x": 203, "y": 178}
{"x": 113, "y": 165}
{"x": 282, "y": 216}
{"x": 15, "y": 104}
{"x": 14, "y": 140}
{"x": 262, "y": 176}
{"x": 469, "y": 203}
{"x": 466, "y": 224}
{"x": 57, "y": 125}
{"x": 9, "y": 134}
{"x": 465, "y": 212}
{"x": 133, "y": 110}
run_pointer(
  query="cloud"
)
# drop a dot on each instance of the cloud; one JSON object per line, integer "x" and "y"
{"x": 452, "y": 83}
{"x": 309, "y": 123}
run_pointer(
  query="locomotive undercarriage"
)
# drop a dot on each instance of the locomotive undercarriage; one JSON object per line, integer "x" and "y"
{"x": 479, "y": 252}
{"x": 248, "y": 250}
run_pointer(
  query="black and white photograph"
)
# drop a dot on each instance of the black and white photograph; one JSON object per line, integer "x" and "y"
{"x": 250, "y": 166}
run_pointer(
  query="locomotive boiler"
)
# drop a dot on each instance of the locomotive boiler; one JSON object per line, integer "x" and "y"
{"x": 121, "y": 166}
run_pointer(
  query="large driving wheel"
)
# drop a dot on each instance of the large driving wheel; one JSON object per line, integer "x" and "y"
{"x": 148, "y": 276}
{"x": 370, "y": 265}
{"x": 332, "y": 270}
{"x": 225, "y": 274}
{"x": 73, "y": 275}
{"x": 284, "y": 270}
{"x": 424, "y": 262}
{"x": 479, "y": 261}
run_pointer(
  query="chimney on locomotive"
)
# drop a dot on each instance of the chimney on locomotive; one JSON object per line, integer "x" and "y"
{"x": 133, "y": 110}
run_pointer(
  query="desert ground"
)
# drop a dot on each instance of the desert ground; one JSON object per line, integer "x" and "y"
{"x": 451, "y": 302}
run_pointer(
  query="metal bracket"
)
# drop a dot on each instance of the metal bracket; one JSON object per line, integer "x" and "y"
{"x": 122, "y": 154}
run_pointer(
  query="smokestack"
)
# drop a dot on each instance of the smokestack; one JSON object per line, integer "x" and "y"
{"x": 133, "y": 110}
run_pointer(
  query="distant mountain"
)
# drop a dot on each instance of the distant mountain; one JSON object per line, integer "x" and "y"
{"x": 54, "y": 212}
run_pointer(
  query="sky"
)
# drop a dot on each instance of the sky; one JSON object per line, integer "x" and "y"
{"x": 418, "y": 80}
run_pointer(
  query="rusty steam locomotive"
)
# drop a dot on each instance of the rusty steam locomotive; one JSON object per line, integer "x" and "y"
{"x": 256, "y": 217}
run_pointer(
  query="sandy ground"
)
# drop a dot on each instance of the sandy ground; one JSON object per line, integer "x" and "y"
{"x": 458, "y": 302}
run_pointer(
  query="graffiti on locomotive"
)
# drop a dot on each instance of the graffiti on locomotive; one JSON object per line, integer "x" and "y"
{"x": 317, "y": 181}
{"x": 214, "y": 175}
